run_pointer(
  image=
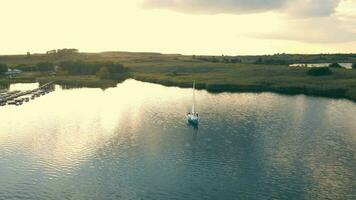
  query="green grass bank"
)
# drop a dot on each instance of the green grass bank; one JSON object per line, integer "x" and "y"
{"x": 218, "y": 75}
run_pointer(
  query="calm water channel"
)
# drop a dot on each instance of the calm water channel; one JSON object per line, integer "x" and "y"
{"x": 133, "y": 142}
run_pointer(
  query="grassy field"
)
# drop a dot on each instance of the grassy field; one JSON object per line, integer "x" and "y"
{"x": 179, "y": 70}
{"x": 62, "y": 79}
{"x": 252, "y": 78}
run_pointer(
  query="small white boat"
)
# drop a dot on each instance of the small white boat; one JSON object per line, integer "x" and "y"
{"x": 193, "y": 116}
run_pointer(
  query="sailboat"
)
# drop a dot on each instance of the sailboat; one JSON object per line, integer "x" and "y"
{"x": 193, "y": 116}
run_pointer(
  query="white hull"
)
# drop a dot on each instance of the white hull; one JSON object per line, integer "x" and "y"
{"x": 193, "y": 119}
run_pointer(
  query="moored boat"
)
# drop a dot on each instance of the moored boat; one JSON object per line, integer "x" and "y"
{"x": 193, "y": 116}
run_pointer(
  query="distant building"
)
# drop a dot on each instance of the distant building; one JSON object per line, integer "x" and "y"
{"x": 67, "y": 51}
{"x": 51, "y": 52}
{"x": 62, "y": 51}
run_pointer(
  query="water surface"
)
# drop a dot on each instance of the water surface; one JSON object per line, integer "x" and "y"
{"x": 132, "y": 142}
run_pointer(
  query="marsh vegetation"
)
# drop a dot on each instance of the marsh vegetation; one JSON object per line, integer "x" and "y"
{"x": 214, "y": 73}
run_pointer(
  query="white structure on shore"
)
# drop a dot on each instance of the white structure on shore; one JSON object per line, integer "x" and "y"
{"x": 12, "y": 72}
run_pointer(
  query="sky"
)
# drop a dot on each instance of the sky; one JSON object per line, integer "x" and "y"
{"x": 199, "y": 27}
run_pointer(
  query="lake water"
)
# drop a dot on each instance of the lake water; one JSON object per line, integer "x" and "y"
{"x": 133, "y": 142}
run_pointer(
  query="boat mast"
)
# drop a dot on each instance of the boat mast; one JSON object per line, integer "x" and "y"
{"x": 193, "y": 106}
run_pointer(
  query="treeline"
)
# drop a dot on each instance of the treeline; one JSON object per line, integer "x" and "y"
{"x": 75, "y": 67}
{"x": 277, "y": 59}
{"x": 3, "y": 68}
{"x": 41, "y": 66}
{"x": 281, "y": 59}
{"x": 91, "y": 68}
{"x": 272, "y": 61}
{"x": 300, "y": 58}
{"x": 103, "y": 70}
{"x": 214, "y": 59}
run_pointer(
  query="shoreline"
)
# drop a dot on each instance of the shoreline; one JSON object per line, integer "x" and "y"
{"x": 328, "y": 91}
{"x": 233, "y": 88}
{"x": 214, "y": 74}
{"x": 335, "y": 93}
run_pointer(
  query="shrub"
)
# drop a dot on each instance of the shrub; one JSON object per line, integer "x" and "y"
{"x": 354, "y": 66}
{"x": 335, "y": 65}
{"x": 3, "y": 68}
{"x": 79, "y": 67}
{"x": 319, "y": 71}
{"x": 114, "y": 67}
{"x": 103, "y": 73}
{"x": 45, "y": 66}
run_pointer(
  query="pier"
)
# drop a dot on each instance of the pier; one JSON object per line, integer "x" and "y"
{"x": 18, "y": 97}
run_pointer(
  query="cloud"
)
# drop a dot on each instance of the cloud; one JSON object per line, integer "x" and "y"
{"x": 339, "y": 27}
{"x": 216, "y": 6}
{"x": 311, "y": 21}
{"x": 311, "y": 8}
{"x": 299, "y": 8}
{"x": 321, "y": 30}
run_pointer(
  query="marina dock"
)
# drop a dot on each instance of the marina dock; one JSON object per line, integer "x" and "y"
{"x": 19, "y": 97}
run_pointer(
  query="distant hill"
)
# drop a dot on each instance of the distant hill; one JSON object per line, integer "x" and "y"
{"x": 129, "y": 57}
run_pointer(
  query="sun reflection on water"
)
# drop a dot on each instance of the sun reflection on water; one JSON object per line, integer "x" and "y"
{"x": 132, "y": 139}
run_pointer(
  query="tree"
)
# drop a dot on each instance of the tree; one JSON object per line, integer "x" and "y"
{"x": 103, "y": 73}
{"x": 354, "y": 66}
{"x": 335, "y": 65}
{"x": 3, "y": 68}
{"x": 114, "y": 67}
{"x": 91, "y": 68}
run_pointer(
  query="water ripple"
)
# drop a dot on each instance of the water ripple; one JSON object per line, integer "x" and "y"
{"x": 116, "y": 144}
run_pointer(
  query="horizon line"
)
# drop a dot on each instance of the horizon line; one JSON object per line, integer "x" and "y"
{"x": 180, "y": 54}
